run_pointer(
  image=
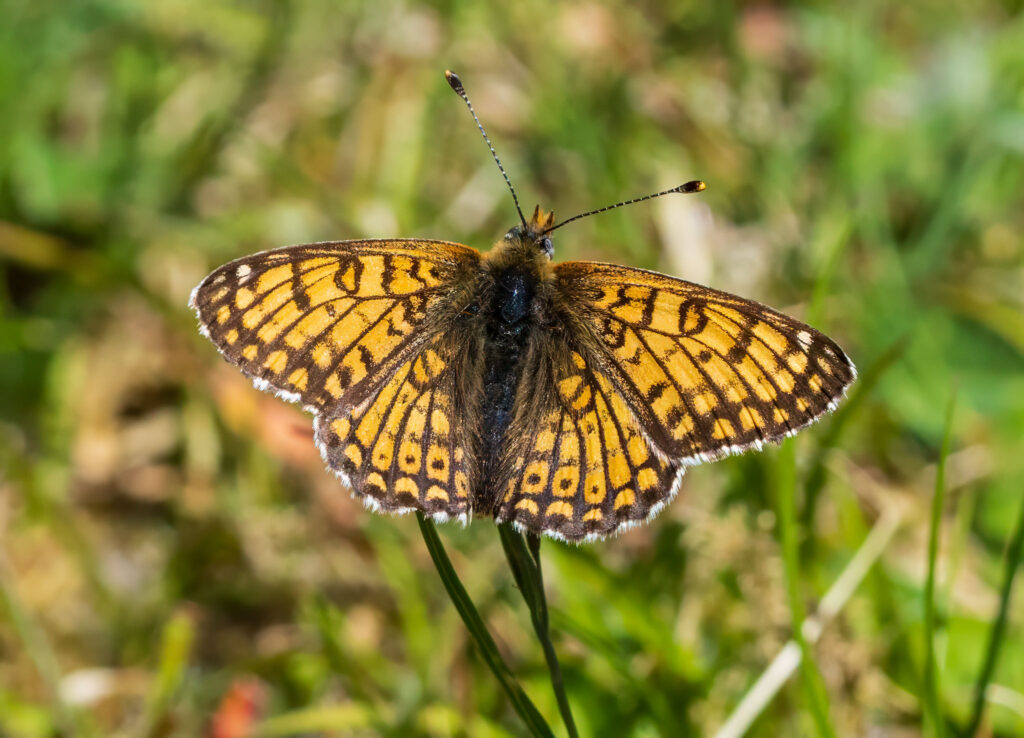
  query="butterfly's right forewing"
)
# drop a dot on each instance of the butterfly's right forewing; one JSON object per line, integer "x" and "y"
{"x": 706, "y": 373}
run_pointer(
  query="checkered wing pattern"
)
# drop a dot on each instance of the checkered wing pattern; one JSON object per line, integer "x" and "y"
{"x": 666, "y": 374}
{"x": 352, "y": 331}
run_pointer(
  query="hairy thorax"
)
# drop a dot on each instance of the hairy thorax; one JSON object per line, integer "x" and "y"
{"x": 515, "y": 308}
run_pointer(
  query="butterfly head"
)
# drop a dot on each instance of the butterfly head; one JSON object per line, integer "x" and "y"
{"x": 534, "y": 231}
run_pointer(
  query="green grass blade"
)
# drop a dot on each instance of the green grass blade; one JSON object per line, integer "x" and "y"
{"x": 933, "y": 710}
{"x": 522, "y": 704}
{"x": 1014, "y": 558}
{"x": 524, "y": 561}
{"x": 175, "y": 650}
{"x": 339, "y": 719}
{"x": 785, "y": 493}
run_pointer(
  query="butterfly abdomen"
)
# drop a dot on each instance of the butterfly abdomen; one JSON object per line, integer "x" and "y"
{"x": 508, "y": 321}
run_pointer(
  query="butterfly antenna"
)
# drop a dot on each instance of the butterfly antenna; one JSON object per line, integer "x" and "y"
{"x": 456, "y": 84}
{"x": 694, "y": 186}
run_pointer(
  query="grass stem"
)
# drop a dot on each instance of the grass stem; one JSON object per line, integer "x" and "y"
{"x": 932, "y": 706}
{"x": 522, "y": 704}
{"x": 1014, "y": 557}
{"x": 524, "y": 561}
{"x": 37, "y": 646}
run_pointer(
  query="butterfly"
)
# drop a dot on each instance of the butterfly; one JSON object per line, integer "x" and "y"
{"x": 567, "y": 399}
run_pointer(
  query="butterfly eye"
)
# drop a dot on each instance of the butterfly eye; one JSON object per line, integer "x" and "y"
{"x": 513, "y": 233}
{"x": 549, "y": 248}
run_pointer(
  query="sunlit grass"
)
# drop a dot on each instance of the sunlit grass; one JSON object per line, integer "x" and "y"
{"x": 785, "y": 497}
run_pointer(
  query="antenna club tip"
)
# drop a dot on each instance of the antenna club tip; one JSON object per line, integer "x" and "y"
{"x": 694, "y": 186}
{"x": 453, "y": 80}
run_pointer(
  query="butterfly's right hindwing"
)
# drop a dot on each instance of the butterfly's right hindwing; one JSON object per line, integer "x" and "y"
{"x": 576, "y": 464}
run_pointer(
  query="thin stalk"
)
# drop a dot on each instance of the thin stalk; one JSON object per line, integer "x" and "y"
{"x": 524, "y": 561}
{"x": 522, "y": 704}
{"x": 931, "y": 676}
{"x": 817, "y": 473}
{"x": 785, "y": 493}
{"x": 1014, "y": 555}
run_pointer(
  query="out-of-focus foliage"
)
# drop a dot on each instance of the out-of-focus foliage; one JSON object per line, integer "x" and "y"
{"x": 169, "y": 542}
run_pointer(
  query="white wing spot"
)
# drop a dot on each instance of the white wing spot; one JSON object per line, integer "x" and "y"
{"x": 243, "y": 272}
{"x": 804, "y": 338}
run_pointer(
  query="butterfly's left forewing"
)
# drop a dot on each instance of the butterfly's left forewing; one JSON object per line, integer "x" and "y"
{"x": 327, "y": 323}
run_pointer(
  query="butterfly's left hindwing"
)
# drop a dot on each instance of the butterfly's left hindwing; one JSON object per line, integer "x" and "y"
{"x": 410, "y": 446}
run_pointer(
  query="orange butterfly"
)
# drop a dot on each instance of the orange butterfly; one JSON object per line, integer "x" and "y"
{"x": 566, "y": 398}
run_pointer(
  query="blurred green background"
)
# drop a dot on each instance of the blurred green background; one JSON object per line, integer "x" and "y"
{"x": 170, "y": 546}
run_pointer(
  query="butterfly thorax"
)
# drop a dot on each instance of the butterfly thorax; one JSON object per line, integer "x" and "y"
{"x": 515, "y": 305}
